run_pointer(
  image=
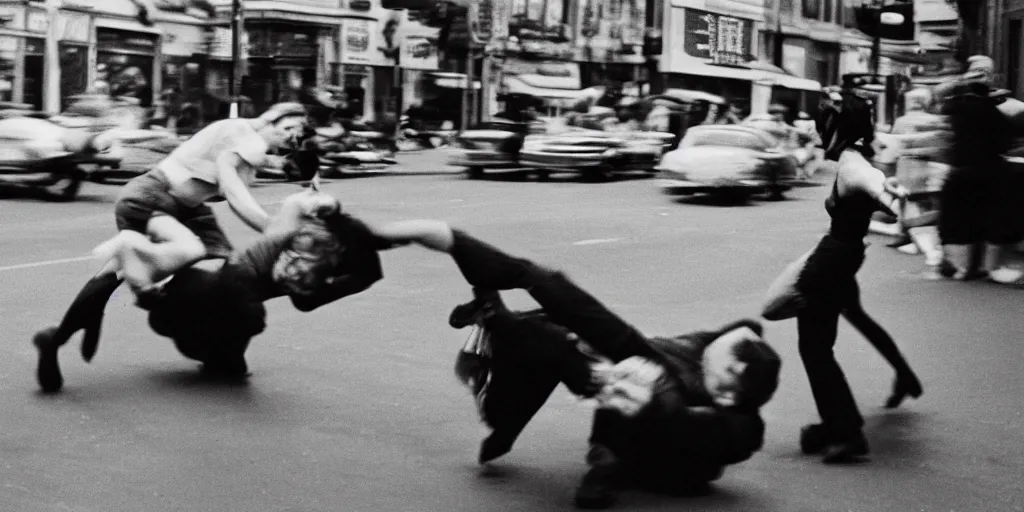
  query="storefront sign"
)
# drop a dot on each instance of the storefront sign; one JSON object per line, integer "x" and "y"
{"x": 74, "y": 26}
{"x": 611, "y": 30}
{"x": 722, "y": 39}
{"x": 181, "y": 40}
{"x": 123, "y": 40}
{"x": 13, "y": 16}
{"x": 419, "y": 52}
{"x": 358, "y": 41}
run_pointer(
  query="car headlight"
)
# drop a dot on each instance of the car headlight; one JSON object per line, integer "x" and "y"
{"x": 610, "y": 153}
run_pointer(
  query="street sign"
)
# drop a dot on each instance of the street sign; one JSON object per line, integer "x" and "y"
{"x": 481, "y": 20}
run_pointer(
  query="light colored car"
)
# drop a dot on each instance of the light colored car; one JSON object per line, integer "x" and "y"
{"x": 729, "y": 160}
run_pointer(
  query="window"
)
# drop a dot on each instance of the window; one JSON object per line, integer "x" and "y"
{"x": 828, "y": 11}
{"x": 812, "y": 9}
{"x": 8, "y": 54}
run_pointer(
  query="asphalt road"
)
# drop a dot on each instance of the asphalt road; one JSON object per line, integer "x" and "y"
{"x": 355, "y": 408}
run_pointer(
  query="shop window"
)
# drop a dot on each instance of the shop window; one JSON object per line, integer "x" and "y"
{"x": 34, "y": 69}
{"x": 812, "y": 9}
{"x": 74, "y": 59}
{"x": 8, "y": 54}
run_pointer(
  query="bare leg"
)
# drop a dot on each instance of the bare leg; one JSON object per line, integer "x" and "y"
{"x": 144, "y": 261}
{"x": 432, "y": 234}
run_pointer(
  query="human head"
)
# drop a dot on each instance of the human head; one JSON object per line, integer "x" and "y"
{"x": 282, "y": 124}
{"x": 740, "y": 369}
{"x": 846, "y": 123}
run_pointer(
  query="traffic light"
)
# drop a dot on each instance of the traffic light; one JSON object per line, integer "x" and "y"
{"x": 868, "y": 20}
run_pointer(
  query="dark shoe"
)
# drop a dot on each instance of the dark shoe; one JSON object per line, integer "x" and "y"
{"x": 597, "y": 490}
{"x": 813, "y": 439}
{"x": 849, "y": 449}
{"x": 48, "y": 371}
{"x": 903, "y": 387}
{"x": 235, "y": 369}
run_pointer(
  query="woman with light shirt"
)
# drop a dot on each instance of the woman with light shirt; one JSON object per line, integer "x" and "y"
{"x": 212, "y": 165}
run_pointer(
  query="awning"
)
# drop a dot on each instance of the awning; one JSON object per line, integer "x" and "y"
{"x": 517, "y": 85}
{"x": 751, "y": 75}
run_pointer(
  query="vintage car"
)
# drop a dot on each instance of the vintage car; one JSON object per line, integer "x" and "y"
{"x": 594, "y": 153}
{"x": 493, "y": 146}
{"x": 728, "y": 160}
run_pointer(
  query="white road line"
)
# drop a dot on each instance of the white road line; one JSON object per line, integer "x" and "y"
{"x": 46, "y": 263}
{"x": 595, "y": 241}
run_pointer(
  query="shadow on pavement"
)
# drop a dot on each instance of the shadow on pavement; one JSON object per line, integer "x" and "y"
{"x": 556, "y": 177}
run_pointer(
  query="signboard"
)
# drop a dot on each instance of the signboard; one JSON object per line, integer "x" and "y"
{"x": 611, "y": 29}
{"x": 481, "y": 20}
{"x": 721, "y": 39}
{"x": 419, "y": 52}
{"x": 358, "y": 41}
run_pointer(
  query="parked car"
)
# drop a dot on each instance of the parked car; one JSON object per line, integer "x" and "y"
{"x": 41, "y": 154}
{"x": 728, "y": 160}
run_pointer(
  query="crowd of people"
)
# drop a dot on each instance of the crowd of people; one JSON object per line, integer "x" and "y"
{"x": 672, "y": 412}
{"x": 954, "y": 148}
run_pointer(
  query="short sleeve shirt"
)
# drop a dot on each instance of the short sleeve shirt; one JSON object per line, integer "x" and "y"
{"x": 196, "y": 158}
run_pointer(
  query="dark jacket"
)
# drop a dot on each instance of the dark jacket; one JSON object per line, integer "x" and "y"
{"x": 680, "y": 438}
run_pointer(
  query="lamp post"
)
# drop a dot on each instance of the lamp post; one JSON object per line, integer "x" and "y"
{"x": 237, "y": 25}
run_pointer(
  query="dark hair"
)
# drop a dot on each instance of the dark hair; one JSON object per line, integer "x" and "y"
{"x": 848, "y": 124}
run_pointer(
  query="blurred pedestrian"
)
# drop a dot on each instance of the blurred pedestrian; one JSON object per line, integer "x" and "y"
{"x": 979, "y": 213}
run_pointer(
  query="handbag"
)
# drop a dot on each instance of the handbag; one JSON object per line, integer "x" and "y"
{"x": 783, "y": 300}
{"x": 473, "y": 365}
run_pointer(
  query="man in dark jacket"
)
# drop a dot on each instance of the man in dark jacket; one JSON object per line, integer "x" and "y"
{"x": 673, "y": 412}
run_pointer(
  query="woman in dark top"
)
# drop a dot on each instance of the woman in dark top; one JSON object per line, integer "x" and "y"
{"x": 828, "y": 285}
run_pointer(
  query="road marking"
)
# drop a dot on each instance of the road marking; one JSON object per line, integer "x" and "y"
{"x": 46, "y": 263}
{"x": 595, "y": 241}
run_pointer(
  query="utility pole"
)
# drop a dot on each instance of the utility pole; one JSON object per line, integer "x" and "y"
{"x": 876, "y": 41}
{"x": 237, "y": 28}
{"x": 51, "y": 58}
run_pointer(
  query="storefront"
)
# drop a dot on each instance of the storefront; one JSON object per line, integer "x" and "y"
{"x": 712, "y": 52}
{"x": 21, "y": 63}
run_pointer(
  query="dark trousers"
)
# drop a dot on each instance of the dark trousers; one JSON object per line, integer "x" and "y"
{"x": 565, "y": 304}
{"x": 817, "y": 327}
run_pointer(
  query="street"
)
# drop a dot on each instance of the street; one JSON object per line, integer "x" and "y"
{"x": 355, "y": 407}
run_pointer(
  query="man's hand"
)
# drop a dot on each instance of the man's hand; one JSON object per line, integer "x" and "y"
{"x": 893, "y": 186}
{"x": 629, "y": 385}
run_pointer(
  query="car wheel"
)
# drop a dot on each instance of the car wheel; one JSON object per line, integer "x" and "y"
{"x": 734, "y": 196}
{"x": 475, "y": 172}
{"x": 543, "y": 175}
{"x": 776, "y": 194}
{"x": 67, "y": 187}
